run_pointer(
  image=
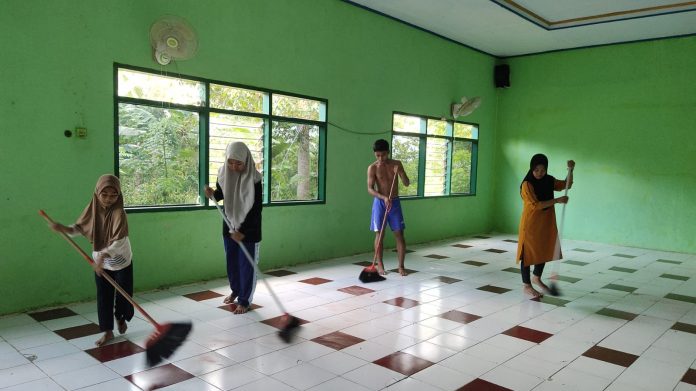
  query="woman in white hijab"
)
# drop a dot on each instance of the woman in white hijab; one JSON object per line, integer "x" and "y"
{"x": 239, "y": 184}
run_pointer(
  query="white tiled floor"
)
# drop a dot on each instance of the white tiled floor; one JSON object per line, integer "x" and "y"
{"x": 655, "y": 331}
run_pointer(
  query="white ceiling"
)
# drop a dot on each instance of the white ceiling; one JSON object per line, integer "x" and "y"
{"x": 515, "y": 27}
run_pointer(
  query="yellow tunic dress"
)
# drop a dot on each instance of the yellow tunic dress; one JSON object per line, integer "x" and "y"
{"x": 537, "y": 233}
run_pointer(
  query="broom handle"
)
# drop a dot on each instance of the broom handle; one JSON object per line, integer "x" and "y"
{"x": 557, "y": 248}
{"x": 384, "y": 219}
{"x": 251, "y": 260}
{"x": 105, "y": 275}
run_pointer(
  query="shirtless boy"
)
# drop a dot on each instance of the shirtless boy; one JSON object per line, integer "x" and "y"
{"x": 379, "y": 180}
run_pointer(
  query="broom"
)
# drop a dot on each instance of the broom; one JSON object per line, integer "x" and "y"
{"x": 290, "y": 323}
{"x": 553, "y": 289}
{"x": 167, "y": 336}
{"x": 370, "y": 273}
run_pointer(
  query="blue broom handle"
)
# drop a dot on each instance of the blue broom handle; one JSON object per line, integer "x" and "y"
{"x": 251, "y": 260}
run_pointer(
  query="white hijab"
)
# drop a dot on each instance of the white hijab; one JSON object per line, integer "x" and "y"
{"x": 238, "y": 188}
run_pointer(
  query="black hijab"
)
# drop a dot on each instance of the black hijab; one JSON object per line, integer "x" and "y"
{"x": 543, "y": 188}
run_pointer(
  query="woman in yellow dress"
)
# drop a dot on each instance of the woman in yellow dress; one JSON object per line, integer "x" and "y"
{"x": 538, "y": 233}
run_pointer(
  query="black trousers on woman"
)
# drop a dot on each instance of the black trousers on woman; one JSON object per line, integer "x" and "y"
{"x": 106, "y": 309}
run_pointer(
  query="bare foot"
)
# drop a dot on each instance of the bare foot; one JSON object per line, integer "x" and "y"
{"x": 230, "y": 299}
{"x": 108, "y": 335}
{"x": 527, "y": 289}
{"x": 380, "y": 269}
{"x": 537, "y": 281}
{"x": 402, "y": 271}
{"x": 240, "y": 309}
{"x": 122, "y": 326}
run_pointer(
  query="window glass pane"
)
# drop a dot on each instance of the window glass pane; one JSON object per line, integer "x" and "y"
{"x": 295, "y": 162}
{"x": 438, "y": 128}
{"x": 436, "y": 167}
{"x": 466, "y": 131}
{"x": 224, "y": 129}
{"x": 158, "y": 155}
{"x": 407, "y": 123}
{"x": 134, "y": 84}
{"x": 461, "y": 167}
{"x": 292, "y": 107}
{"x": 406, "y": 149}
{"x": 238, "y": 99}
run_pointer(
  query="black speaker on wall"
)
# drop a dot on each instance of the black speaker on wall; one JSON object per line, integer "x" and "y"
{"x": 501, "y": 76}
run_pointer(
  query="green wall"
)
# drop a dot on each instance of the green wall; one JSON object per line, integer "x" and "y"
{"x": 627, "y": 115}
{"x": 56, "y": 73}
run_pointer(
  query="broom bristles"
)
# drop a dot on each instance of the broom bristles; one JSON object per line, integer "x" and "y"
{"x": 288, "y": 331}
{"x": 165, "y": 341}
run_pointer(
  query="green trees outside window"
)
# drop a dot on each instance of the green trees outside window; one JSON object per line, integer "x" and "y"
{"x": 438, "y": 155}
{"x": 172, "y": 131}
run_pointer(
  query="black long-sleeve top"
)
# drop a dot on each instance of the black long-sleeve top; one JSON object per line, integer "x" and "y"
{"x": 251, "y": 227}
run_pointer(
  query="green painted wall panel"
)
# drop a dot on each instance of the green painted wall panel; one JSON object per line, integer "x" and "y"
{"x": 56, "y": 72}
{"x": 627, "y": 115}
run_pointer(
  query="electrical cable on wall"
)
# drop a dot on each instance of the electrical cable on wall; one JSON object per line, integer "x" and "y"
{"x": 355, "y": 132}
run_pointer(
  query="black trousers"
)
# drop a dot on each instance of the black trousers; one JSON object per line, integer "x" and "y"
{"x": 106, "y": 309}
{"x": 538, "y": 269}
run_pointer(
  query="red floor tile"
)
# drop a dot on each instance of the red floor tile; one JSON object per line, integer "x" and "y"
{"x": 356, "y": 290}
{"x": 686, "y": 327}
{"x": 338, "y": 340}
{"x": 280, "y": 321}
{"x": 436, "y": 256}
{"x": 617, "y": 314}
{"x": 159, "y": 377}
{"x": 482, "y": 385}
{"x": 551, "y": 300}
{"x": 474, "y": 263}
{"x": 233, "y": 306}
{"x": 461, "y": 245}
{"x": 447, "y": 280}
{"x": 79, "y": 331}
{"x": 55, "y": 313}
{"x": 493, "y": 288}
{"x": 203, "y": 295}
{"x": 459, "y": 316}
{"x": 510, "y": 240}
{"x": 363, "y": 263}
{"x": 684, "y": 298}
{"x": 690, "y": 376}
{"x": 407, "y": 270}
{"x": 610, "y": 356}
{"x": 407, "y": 251}
{"x": 279, "y": 273}
{"x": 528, "y": 334}
{"x": 495, "y": 250}
{"x": 114, "y": 351}
{"x": 402, "y": 302}
{"x": 315, "y": 281}
{"x": 404, "y": 363}
{"x": 482, "y": 237}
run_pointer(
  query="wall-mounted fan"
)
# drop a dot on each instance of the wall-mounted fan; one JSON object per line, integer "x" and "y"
{"x": 466, "y": 107}
{"x": 172, "y": 38}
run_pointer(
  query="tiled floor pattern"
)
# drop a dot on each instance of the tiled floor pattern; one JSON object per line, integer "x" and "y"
{"x": 458, "y": 321}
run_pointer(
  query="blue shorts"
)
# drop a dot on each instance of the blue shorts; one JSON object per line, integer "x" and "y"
{"x": 395, "y": 218}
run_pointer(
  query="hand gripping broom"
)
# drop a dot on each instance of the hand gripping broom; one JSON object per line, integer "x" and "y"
{"x": 290, "y": 323}
{"x": 370, "y": 273}
{"x": 167, "y": 336}
{"x": 553, "y": 289}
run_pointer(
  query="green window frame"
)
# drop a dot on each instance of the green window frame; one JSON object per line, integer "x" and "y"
{"x": 439, "y": 155}
{"x": 170, "y": 132}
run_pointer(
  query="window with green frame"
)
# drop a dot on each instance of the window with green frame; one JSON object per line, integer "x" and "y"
{"x": 439, "y": 156}
{"x": 172, "y": 131}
